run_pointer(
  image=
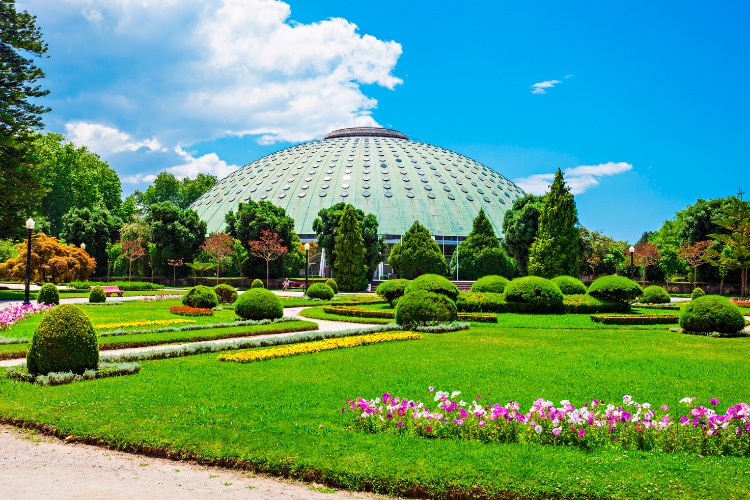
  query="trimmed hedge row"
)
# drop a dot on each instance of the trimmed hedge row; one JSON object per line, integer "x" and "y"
{"x": 370, "y": 313}
{"x": 636, "y": 319}
{"x": 574, "y": 304}
{"x": 128, "y": 286}
{"x": 665, "y": 307}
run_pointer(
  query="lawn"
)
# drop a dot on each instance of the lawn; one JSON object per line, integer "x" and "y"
{"x": 283, "y": 416}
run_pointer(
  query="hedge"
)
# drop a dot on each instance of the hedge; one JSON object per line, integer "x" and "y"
{"x": 128, "y": 286}
{"x": 371, "y": 313}
{"x": 636, "y": 319}
{"x": 573, "y": 304}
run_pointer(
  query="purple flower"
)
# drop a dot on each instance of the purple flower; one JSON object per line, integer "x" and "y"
{"x": 556, "y": 431}
{"x": 482, "y": 423}
{"x": 399, "y": 424}
{"x": 431, "y": 389}
{"x": 581, "y": 433}
{"x": 714, "y": 401}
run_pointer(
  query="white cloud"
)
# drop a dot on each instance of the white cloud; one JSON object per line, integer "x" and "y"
{"x": 579, "y": 178}
{"x": 138, "y": 179}
{"x": 206, "y": 164}
{"x": 541, "y": 87}
{"x": 106, "y": 140}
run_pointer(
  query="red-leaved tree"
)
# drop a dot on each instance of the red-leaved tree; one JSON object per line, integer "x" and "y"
{"x": 694, "y": 255}
{"x": 218, "y": 246}
{"x": 268, "y": 247}
{"x": 132, "y": 250}
{"x": 646, "y": 255}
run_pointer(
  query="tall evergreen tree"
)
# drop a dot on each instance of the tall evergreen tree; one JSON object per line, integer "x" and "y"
{"x": 554, "y": 252}
{"x": 520, "y": 226}
{"x": 349, "y": 268}
{"x": 480, "y": 254}
{"x": 417, "y": 254}
{"x": 20, "y": 181}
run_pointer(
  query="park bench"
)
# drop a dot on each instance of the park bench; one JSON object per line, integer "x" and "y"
{"x": 111, "y": 290}
{"x": 296, "y": 284}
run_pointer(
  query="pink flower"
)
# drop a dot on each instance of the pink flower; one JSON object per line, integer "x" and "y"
{"x": 581, "y": 433}
{"x": 556, "y": 431}
{"x": 714, "y": 401}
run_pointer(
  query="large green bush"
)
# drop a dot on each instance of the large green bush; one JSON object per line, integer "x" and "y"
{"x": 227, "y": 294}
{"x": 697, "y": 292}
{"x": 615, "y": 289}
{"x": 711, "y": 313}
{"x": 491, "y": 284}
{"x": 536, "y": 294}
{"x": 48, "y": 294}
{"x": 655, "y": 294}
{"x": 392, "y": 290}
{"x": 97, "y": 295}
{"x": 257, "y": 304}
{"x": 64, "y": 341}
{"x": 332, "y": 283}
{"x": 423, "y": 308}
{"x": 320, "y": 291}
{"x": 257, "y": 283}
{"x": 433, "y": 283}
{"x": 569, "y": 285}
{"x": 203, "y": 297}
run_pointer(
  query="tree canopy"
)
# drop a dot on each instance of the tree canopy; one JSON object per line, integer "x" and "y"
{"x": 417, "y": 254}
{"x": 520, "y": 226}
{"x": 480, "y": 254}
{"x": 96, "y": 227}
{"x": 349, "y": 269}
{"x": 177, "y": 234}
{"x": 166, "y": 187}
{"x": 20, "y": 180}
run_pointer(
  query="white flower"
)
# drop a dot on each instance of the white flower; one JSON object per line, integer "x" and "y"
{"x": 455, "y": 393}
{"x": 538, "y": 429}
{"x": 462, "y": 403}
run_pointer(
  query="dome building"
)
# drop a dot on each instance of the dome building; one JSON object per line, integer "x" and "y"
{"x": 379, "y": 171}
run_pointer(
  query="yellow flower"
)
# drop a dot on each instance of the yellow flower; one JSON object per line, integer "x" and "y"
{"x": 129, "y": 324}
{"x": 317, "y": 346}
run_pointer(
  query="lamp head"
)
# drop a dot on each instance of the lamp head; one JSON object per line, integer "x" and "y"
{"x": 632, "y": 249}
{"x": 307, "y": 246}
{"x": 30, "y": 224}
{"x": 83, "y": 246}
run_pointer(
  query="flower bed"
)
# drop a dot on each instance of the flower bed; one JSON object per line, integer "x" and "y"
{"x": 629, "y": 425}
{"x": 129, "y": 324}
{"x": 740, "y": 302}
{"x": 636, "y": 319}
{"x": 14, "y": 313}
{"x": 161, "y": 296}
{"x": 371, "y": 313}
{"x": 190, "y": 311}
{"x": 312, "y": 347}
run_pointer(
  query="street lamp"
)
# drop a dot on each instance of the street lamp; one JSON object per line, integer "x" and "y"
{"x": 83, "y": 246}
{"x": 30, "y": 226}
{"x": 456, "y": 258}
{"x": 307, "y": 263}
{"x": 632, "y": 256}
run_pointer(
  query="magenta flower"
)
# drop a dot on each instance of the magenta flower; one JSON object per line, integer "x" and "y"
{"x": 714, "y": 401}
{"x": 581, "y": 433}
{"x": 431, "y": 389}
{"x": 482, "y": 423}
{"x": 399, "y": 424}
{"x": 556, "y": 431}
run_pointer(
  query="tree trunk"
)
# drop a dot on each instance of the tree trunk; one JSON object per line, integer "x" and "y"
{"x": 695, "y": 276}
{"x": 266, "y": 275}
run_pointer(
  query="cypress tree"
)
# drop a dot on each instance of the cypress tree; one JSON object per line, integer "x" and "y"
{"x": 554, "y": 252}
{"x": 349, "y": 266}
{"x": 480, "y": 254}
{"x": 417, "y": 254}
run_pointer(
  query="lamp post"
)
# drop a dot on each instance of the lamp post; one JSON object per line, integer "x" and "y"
{"x": 307, "y": 263}
{"x": 632, "y": 256}
{"x": 456, "y": 258}
{"x": 30, "y": 226}
{"x": 83, "y": 246}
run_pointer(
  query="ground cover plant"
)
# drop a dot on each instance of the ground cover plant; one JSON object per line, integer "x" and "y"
{"x": 288, "y": 423}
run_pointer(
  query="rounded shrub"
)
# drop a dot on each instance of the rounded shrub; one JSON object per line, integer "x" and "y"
{"x": 711, "y": 313}
{"x": 433, "y": 283}
{"x": 257, "y": 283}
{"x": 423, "y": 308}
{"x": 490, "y": 284}
{"x": 655, "y": 294}
{"x": 569, "y": 285}
{"x": 48, "y": 294}
{"x": 320, "y": 291}
{"x": 227, "y": 294}
{"x": 697, "y": 292}
{"x": 536, "y": 293}
{"x": 202, "y": 297}
{"x": 615, "y": 289}
{"x": 64, "y": 341}
{"x": 334, "y": 286}
{"x": 392, "y": 290}
{"x": 257, "y": 304}
{"x": 97, "y": 295}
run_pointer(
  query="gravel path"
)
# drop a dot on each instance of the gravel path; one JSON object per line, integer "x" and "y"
{"x": 37, "y": 466}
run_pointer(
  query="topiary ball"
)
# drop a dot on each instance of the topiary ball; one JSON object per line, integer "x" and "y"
{"x": 227, "y": 294}
{"x": 97, "y": 295}
{"x": 320, "y": 291}
{"x": 64, "y": 341}
{"x": 433, "y": 283}
{"x": 423, "y": 308}
{"x": 257, "y": 283}
{"x": 697, "y": 292}
{"x": 490, "y": 284}
{"x": 536, "y": 293}
{"x": 202, "y": 297}
{"x": 48, "y": 294}
{"x": 392, "y": 290}
{"x": 334, "y": 286}
{"x": 615, "y": 289}
{"x": 257, "y": 304}
{"x": 569, "y": 285}
{"x": 711, "y": 313}
{"x": 655, "y": 294}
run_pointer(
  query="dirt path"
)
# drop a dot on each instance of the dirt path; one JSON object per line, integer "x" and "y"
{"x": 37, "y": 466}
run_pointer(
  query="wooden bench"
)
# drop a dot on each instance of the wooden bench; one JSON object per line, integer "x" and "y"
{"x": 111, "y": 290}
{"x": 296, "y": 284}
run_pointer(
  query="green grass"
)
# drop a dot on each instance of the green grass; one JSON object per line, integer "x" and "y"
{"x": 301, "y": 301}
{"x": 77, "y": 294}
{"x": 278, "y": 418}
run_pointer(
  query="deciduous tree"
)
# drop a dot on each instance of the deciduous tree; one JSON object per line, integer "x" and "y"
{"x": 218, "y": 246}
{"x": 694, "y": 255}
{"x": 51, "y": 262}
{"x": 268, "y": 247}
{"x": 96, "y": 227}
{"x": 646, "y": 255}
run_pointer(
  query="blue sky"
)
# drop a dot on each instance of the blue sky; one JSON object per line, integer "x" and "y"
{"x": 642, "y": 104}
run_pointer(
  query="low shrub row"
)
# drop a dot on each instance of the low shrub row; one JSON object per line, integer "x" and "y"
{"x": 370, "y": 313}
{"x": 636, "y": 319}
{"x": 496, "y": 303}
{"x": 128, "y": 286}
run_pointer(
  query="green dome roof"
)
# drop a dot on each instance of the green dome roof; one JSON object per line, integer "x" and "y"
{"x": 379, "y": 171}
